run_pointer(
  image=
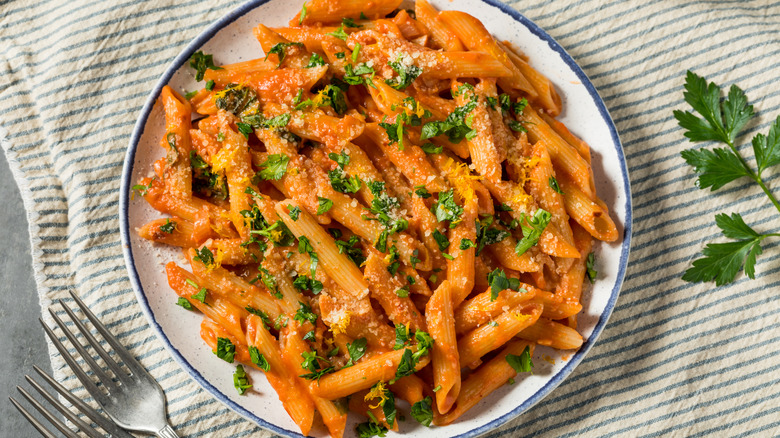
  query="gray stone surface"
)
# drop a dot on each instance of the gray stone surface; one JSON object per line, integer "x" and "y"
{"x": 22, "y": 341}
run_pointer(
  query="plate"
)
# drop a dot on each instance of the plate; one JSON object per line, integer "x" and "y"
{"x": 230, "y": 39}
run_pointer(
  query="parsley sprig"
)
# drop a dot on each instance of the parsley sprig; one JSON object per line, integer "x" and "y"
{"x": 722, "y": 120}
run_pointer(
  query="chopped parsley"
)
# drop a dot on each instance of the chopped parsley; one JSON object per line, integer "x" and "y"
{"x": 315, "y": 61}
{"x": 236, "y": 99}
{"x": 487, "y": 235}
{"x": 422, "y": 412}
{"x": 356, "y": 350}
{"x": 312, "y": 364}
{"x": 184, "y": 303}
{"x": 241, "y": 380}
{"x": 521, "y": 363}
{"x": 200, "y": 296}
{"x": 466, "y": 244}
{"x": 498, "y": 281}
{"x": 304, "y": 247}
{"x": 168, "y": 226}
{"x": 446, "y": 209}
{"x": 553, "y": 183}
{"x": 422, "y": 192}
{"x": 351, "y": 249}
{"x": 205, "y": 256}
{"x": 323, "y": 205}
{"x": 406, "y": 74}
{"x": 295, "y": 212}
{"x": 349, "y": 22}
{"x": 430, "y": 148}
{"x": 403, "y": 292}
{"x": 339, "y": 33}
{"x": 274, "y": 167}
{"x": 590, "y": 266}
{"x": 225, "y": 350}
{"x": 353, "y": 74}
{"x": 441, "y": 240}
{"x": 142, "y": 189}
{"x": 202, "y": 62}
{"x": 455, "y": 126}
{"x": 370, "y": 428}
{"x": 210, "y": 85}
{"x": 533, "y": 230}
{"x": 342, "y": 158}
{"x": 305, "y": 313}
{"x": 280, "y": 49}
{"x": 304, "y": 282}
{"x": 303, "y": 14}
{"x": 258, "y": 359}
{"x": 343, "y": 183}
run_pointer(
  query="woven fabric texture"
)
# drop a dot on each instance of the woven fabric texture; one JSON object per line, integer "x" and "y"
{"x": 675, "y": 359}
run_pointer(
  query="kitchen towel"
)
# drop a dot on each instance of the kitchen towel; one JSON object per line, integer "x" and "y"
{"x": 675, "y": 359}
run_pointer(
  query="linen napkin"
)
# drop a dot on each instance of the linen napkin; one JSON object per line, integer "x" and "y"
{"x": 675, "y": 359}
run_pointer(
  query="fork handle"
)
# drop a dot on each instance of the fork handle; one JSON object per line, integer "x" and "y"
{"x": 166, "y": 432}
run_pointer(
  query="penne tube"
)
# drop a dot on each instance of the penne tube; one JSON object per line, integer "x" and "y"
{"x": 325, "y": 11}
{"x": 461, "y": 266}
{"x": 292, "y": 393}
{"x": 444, "y": 354}
{"x": 590, "y": 215}
{"x": 556, "y": 307}
{"x": 541, "y": 179}
{"x": 428, "y": 16}
{"x": 170, "y": 231}
{"x": 385, "y": 290}
{"x": 480, "y": 341}
{"x": 481, "y": 309}
{"x": 547, "y": 97}
{"x": 363, "y": 375}
{"x": 552, "y": 334}
{"x": 235, "y": 73}
{"x": 484, "y": 381}
{"x": 177, "y": 173}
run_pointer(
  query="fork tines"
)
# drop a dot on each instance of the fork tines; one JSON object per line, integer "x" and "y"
{"x": 90, "y": 413}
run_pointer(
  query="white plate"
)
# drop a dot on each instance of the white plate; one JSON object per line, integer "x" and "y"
{"x": 230, "y": 40}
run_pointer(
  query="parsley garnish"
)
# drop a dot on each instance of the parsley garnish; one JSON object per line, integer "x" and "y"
{"x": 356, "y": 350}
{"x": 351, "y": 249}
{"x": 342, "y": 183}
{"x": 280, "y": 49}
{"x": 323, "y": 205}
{"x": 403, "y": 292}
{"x": 466, "y": 244}
{"x": 522, "y": 363}
{"x": 303, "y": 14}
{"x": 553, "y": 183}
{"x": 241, "y": 380}
{"x": 304, "y": 282}
{"x": 370, "y": 428}
{"x": 304, "y": 247}
{"x": 406, "y": 74}
{"x": 455, "y": 126}
{"x": 184, "y": 303}
{"x": 258, "y": 359}
{"x": 446, "y": 209}
{"x": 304, "y": 313}
{"x": 352, "y": 75}
{"x": 349, "y": 22}
{"x": 191, "y": 94}
{"x": 225, "y": 350}
{"x": 722, "y": 121}
{"x": 236, "y": 99}
{"x": 244, "y": 129}
{"x": 430, "y": 148}
{"x": 264, "y": 316}
{"x": 422, "y": 192}
{"x": 533, "y": 231}
{"x": 422, "y": 412}
{"x": 200, "y": 296}
{"x": 441, "y": 240}
{"x": 590, "y": 266}
{"x": 516, "y": 126}
{"x": 201, "y": 62}
{"x": 339, "y": 33}
{"x": 210, "y": 85}
{"x": 342, "y": 158}
{"x": 274, "y": 167}
{"x": 168, "y": 226}
{"x": 311, "y": 363}
{"x": 487, "y": 235}
{"x": 315, "y": 61}
{"x": 498, "y": 281}
{"x": 142, "y": 189}
{"x": 204, "y": 255}
{"x": 295, "y": 213}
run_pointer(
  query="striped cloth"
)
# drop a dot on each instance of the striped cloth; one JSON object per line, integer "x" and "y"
{"x": 675, "y": 359}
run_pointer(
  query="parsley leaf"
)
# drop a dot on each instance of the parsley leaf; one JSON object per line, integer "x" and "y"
{"x": 430, "y": 148}
{"x": 488, "y": 235}
{"x": 315, "y": 61}
{"x": 303, "y": 14}
{"x": 305, "y": 313}
{"x": 342, "y": 183}
{"x": 590, "y": 268}
{"x": 200, "y": 296}
{"x": 406, "y": 74}
{"x": 446, "y": 209}
{"x": 722, "y": 261}
{"x": 498, "y": 281}
{"x": 356, "y": 350}
{"x": 202, "y": 62}
{"x": 280, "y": 49}
{"x": 323, "y": 205}
{"x": 168, "y": 226}
{"x": 767, "y": 148}
{"x": 274, "y": 167}
{"x": 466, "y": 244}
{"x": 184, "y": 303}
{"x": 225, "y": 350}
{"x": 295, "y": 213}
{"x": 521, "y": 363}
{"x": 715, "y": 168}
{"x": 401, "y": 336}
{"x": 455, "y": 126}
{"x": 204, "y": 255}
{"x": 441, "y": 240}
{"x": 342, "y": 158}
{"x": 236, "y": 99}
{"x": 553, "y": 183}
{"x": 533, "y": 231}
{"x": 422, "y": 412}
{"x": 370, "y": 429}
{"x": 258, "y": 359}
{"x": 349, "y": 22}
{"x": 241, "y": 380}
{"x": 339, "y": 33}
{"x": 721, "y": 121}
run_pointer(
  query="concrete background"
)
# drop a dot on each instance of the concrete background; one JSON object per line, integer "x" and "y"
{"x": 22, "y": 342}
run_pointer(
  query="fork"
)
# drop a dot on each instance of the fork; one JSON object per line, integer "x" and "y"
{"x": 134, "y": 400}
{"x": 82, "y": 407}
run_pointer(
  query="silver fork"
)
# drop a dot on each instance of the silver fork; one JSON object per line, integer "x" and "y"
{"x": 90, "y": 413}
{"x": 134, "y": 400}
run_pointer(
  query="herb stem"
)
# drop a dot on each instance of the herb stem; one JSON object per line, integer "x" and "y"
{"x": 755, "y": 177}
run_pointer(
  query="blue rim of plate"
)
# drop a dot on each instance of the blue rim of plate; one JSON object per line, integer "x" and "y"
{"x": 124, "y": 201}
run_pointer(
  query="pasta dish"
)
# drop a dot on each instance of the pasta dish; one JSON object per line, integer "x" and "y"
{"x": 382, "y": 206}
